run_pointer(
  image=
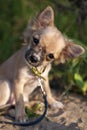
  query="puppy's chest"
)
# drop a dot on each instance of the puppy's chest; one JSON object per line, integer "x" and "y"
{"x": 30, "y": 78}
{"x": 32, "y": 81}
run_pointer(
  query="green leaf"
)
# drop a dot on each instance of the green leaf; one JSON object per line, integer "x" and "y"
{"x": 84, "y": 88}
{"x": 79, "y": 80}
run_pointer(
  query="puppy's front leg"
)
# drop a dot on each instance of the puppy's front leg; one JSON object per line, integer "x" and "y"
{"x": 52, "y": 102}
{"x": 20, "y": 114}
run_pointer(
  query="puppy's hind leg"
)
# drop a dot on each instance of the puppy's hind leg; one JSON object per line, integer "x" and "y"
{"x": 4, "y": 92}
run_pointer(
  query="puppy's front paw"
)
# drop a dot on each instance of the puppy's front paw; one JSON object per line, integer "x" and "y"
{"x": 21, "y": 117}
{"x": 56, "y": 105}
{"x": 20, "y": 114}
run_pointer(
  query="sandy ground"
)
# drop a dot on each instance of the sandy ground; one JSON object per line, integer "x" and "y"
{"x": 73, "y": 117}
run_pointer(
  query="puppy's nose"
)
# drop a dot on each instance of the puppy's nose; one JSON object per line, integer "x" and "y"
{"x": 33, "y": 59}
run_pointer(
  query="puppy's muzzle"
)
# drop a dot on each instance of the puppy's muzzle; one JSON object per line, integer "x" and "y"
{"x": 33, "y": 58}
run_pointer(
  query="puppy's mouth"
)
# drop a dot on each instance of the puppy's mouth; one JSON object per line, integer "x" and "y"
{"x": 33, "y": 58}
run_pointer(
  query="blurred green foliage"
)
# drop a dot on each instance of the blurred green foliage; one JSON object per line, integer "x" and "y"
{"x": 14, "y": 16}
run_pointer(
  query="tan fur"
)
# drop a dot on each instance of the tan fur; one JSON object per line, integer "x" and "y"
{"x": 17, "y": 81}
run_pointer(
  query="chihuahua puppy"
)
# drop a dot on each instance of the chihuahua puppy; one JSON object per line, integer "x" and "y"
{"x": 45, "y": 43}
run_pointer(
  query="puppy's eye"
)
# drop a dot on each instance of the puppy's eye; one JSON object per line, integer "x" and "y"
{"x": 35, "y": 40}
{"x": 50, "y": 56}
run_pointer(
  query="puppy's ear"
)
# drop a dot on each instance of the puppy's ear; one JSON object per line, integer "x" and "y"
{"x": 45, "y": 18}
{"x": 70, "y": 51}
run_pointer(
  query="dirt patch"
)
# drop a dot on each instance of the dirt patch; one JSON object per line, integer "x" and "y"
{"x": 73, "y": 117}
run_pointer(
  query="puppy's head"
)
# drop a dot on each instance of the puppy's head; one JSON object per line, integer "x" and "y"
{"x": 46, "y": 43}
